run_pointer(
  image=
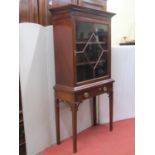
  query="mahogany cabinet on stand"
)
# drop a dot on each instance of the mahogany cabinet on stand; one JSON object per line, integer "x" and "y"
{"x": 82, "y": 41}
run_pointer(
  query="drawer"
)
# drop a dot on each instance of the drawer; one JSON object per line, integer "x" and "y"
{"x": 92, "y": 92}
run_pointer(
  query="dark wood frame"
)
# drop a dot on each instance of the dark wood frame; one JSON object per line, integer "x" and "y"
{"x": 95, "y": 4}
{"x": 35, "y": 11}
{"x": 67, "y": 89}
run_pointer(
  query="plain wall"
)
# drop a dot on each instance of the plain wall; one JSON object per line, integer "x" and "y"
{"x": 123, "y": 72}
{"x": 38, "y": 78}
{"x": 123, "y": 23}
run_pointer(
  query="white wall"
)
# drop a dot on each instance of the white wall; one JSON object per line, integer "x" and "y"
{"x": 37, "y": 78}
{"x": 37, "y": 81}
{"x": 123, "y": 23}
{"x": 123, "y": 63}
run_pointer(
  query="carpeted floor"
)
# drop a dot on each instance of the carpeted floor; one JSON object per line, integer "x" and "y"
{"x": 100, "y": 141}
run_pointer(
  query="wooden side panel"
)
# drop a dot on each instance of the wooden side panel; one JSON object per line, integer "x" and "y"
{"x": 63, "y": 42}
{"x": 57, "y": 3}
{"x": 65, "y": 96}
{"x": 23, "y": 11}
{"x": 35, "y": 11}
{"x": 44, "y": 13}
{"x": 48, "y": 13}
{"x": 96, "y": 4}
{"x": 28, "y": 11}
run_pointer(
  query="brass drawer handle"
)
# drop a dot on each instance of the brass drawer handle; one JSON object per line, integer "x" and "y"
{"x": 86, "y": 94}
{"x": 105, "y": 88}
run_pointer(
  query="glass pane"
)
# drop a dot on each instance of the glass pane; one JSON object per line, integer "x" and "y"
{"x": 101, "y": 68}
{"x": 102, "y": 34}
{"x": 84, "y": 31}
{"x": 84, "y": 72}
{"x": 91, "y": 50}
{"x": 80, "y": 46}
{"x": 81, "y": 59}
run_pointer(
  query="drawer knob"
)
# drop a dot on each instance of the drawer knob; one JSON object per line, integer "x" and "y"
{"x": 86, "y": 94}
{"x": 105, "y": 88}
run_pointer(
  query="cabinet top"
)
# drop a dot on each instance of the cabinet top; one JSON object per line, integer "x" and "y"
{"x": 75, "y": 8}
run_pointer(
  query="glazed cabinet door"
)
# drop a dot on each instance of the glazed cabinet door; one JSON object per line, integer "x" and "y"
{"x": 92, "y": 50}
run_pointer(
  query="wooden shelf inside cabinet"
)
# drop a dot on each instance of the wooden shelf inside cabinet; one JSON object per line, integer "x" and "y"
{"x": 80, "y": 52}
{"x": 86, "y": 63}
{"x": 90, "y": 42}
{"x": 82, "y": 60}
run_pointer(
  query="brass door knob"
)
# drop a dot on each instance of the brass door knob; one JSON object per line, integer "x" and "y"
{"x": 86, "y": 95}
